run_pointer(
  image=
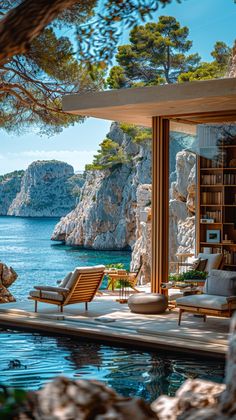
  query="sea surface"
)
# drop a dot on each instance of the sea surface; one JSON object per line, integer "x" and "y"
{"x": 26, "y": 246}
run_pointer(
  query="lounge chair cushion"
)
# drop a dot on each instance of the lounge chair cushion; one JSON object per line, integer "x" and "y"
{"x": 221, "y": 283}
{"x": 64, "y": 282}
{"x": 47, "y": 295}
{"x": 81, "y": 270}
{"x": 205, "y": 301}
{"x": 213, "y": 260}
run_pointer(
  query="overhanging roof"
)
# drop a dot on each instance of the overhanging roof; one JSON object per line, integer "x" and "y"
{"x": 139, "y": 105}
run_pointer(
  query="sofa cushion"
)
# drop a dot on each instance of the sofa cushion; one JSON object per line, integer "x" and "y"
{"x": 205, "y": 301}
{"x": 64, "y": 282}
{"x": 213, "y": 260}
{"x": 221, "y": 283}
{"x": 47, "y": 295}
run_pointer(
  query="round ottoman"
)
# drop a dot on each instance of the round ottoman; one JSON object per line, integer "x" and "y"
{"x": 147, "y": 303}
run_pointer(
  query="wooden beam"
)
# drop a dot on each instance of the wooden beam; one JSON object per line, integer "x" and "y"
{"x": 160, "y": 203}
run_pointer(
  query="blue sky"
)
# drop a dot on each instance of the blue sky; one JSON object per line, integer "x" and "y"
{"x": 208, "y": 21}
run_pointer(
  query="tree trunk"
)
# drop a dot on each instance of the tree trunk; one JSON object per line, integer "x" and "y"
{"x": 23, "y": 23}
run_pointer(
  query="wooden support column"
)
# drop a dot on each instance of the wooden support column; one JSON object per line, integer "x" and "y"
{"x": 160, "y": 202}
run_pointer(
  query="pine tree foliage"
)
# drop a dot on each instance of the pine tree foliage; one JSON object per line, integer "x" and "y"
{"x": 213, "y": 70}
{"x": 109, "y": 156}
{"x": 157, "y": 53}
{"x": 39, "y": 64}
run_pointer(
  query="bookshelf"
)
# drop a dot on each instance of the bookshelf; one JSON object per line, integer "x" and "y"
{"x": 216, "y": 181}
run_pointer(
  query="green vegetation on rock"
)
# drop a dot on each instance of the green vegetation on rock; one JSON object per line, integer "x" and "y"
{"x": 138, "y": 134}
{"x": 14, "y": 174}
{"x": 109, "y": 156}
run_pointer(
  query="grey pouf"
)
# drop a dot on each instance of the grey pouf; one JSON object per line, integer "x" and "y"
{"x": 147, "y": 303}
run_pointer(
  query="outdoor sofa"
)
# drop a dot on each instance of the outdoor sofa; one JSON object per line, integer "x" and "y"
{"x": 218, "y": 297}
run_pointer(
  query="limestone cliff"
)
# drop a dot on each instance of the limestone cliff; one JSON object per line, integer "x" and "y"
{"x": 48, "y": 189}
{"x": 9, "y": 187}
{"x": 114, "y": 211}
{"x": 182, "y": 205}
{"x": 105, "y": 217}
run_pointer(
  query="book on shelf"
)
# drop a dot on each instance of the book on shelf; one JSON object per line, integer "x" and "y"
{"x": 207, "y": 250}
{"x": 211, "y": 197}
{"x": 212, "y": 215}
{"x": 212, "y": 179}
{"x": 230, "y": 258}
{"x": 230, "y": 179}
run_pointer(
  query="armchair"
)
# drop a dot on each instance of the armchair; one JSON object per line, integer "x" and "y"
{"x": 218, "y": 298}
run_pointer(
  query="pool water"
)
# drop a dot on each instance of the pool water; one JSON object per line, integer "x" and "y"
{"x": 29, "y": 360}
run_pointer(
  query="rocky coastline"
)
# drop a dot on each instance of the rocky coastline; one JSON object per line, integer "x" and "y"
{"x": 45, "y": 189}
{"x": 114, "y": 211}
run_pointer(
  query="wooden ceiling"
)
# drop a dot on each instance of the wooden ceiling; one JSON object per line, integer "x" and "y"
{"x": 191, "y": 103}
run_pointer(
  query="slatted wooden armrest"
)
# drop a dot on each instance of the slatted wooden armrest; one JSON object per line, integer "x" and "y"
{"x": 231, "y": 299}
{"x": 52, "y": 289}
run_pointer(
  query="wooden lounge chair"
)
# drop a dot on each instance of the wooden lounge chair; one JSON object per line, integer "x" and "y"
{"x": 131, "y": 278}
{"x": 218, "y": 298}
{"x": 79, "y": 286}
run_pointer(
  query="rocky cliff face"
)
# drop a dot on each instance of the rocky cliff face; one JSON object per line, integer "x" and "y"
{"x": 114, "y": 211}
{"x": 141, "y": 254}
{"x": 181, "y": 217}
{"x": 105, "y": 217}
{"x": 9, "y": 187}
{"x": 182, "y": 205}
{"x": 48, "y": 189}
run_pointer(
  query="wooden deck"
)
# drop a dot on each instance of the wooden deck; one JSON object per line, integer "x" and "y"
{"x": 109, "y": 321}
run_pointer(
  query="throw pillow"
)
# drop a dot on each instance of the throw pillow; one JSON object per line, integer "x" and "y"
{"x": 195, "y": 264}
{"x": 202, "y": 265}
{"x": 199, "y": 264}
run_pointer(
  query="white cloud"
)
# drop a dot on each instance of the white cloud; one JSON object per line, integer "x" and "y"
{"x": 77, "y": 158}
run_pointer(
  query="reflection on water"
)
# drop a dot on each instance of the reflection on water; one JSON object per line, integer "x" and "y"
{"x": 30, "y": 360}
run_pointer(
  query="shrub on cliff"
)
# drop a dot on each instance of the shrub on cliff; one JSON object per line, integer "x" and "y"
{"x": 109, "y": 156}
{"x": 138, "y": 134}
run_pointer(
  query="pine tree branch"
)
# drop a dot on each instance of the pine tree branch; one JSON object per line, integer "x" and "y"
{"x": 23, "y": 23}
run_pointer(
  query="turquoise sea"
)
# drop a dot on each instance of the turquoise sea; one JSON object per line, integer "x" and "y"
{"x": 26, "y": 246}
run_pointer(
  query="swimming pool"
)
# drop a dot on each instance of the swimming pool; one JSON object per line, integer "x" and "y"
{"x": 28, "y": 360}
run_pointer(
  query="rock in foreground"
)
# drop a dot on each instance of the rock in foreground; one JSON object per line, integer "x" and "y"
{"x": 7, "y": 277}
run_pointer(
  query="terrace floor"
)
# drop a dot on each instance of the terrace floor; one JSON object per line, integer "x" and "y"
{"x": 109, "y": 321}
